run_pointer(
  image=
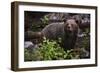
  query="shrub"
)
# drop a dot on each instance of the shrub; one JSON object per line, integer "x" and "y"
{"x": 49, "y": 50}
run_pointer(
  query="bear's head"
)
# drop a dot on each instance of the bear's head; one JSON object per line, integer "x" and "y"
{"x": 71, "y": 26}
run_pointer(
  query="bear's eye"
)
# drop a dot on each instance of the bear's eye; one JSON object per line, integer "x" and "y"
{"x": 66, "y": 23}
{"x": 72, "y": 24}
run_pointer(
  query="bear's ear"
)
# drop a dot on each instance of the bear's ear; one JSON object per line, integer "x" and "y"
{"x": 78, "y": 21}
{"x": 77, "y": 18}
{"x": 64, "y": 20}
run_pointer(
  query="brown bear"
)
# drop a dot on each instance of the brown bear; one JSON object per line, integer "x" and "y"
{"x": 67, "y": 31}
